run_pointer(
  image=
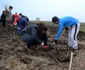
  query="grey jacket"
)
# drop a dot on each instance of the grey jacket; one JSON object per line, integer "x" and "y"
{"x": 8, "y": 15}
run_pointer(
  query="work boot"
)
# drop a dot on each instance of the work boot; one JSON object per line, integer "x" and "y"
{"x": 70, "y": 49}
{"x": 75, "y": 52}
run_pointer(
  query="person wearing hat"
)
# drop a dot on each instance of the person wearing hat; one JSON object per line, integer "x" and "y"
{"x": 74, "y": 25}
{"x": 8, "y": 17}
{"x": 8, "y": 13}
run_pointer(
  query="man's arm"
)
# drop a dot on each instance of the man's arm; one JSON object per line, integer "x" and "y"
{"x": 60, "y": 29}
{"x": 45, "y": 39}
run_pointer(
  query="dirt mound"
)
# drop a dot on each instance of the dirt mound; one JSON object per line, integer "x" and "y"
{"x": 81, "y": 35}
{"x": 14, "y": 54}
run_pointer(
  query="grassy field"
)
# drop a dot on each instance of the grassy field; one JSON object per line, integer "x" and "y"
{"x": 46, "y": 22}
{"x": 82, "y": 25}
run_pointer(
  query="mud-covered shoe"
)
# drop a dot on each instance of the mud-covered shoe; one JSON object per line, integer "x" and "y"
{"x": 70, "y": 49}
{"x": 75, "y": 52}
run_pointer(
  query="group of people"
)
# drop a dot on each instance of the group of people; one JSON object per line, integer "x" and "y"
{"x": 20, "y": 21}
{"x": 35, "y": 34}
{"x": 15, "y": 19}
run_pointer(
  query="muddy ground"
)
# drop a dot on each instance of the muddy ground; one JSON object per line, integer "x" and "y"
{"x": 14, "y": 54}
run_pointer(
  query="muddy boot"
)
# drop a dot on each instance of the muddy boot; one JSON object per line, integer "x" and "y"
{"x": 75, "y": 52}
{"x": 70, "y": 49}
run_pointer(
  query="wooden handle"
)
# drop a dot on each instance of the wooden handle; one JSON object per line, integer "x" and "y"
{"x": 70, "y": 65}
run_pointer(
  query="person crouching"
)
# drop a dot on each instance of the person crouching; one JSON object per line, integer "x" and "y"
{"x": 35, "y": 34}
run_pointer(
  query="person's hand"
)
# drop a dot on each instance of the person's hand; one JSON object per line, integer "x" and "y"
{"x": 55, "y": 42}
{"x": 42, "y": 44}
{"x": 15, "y": 24}
{"x": 66, "y": 28}
{"x": 45, "y": 47}
{"x": 11, "y": 25}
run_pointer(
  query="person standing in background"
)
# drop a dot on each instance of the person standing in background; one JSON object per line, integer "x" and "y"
{"x": 8, "y": 17}
{"x": 3, "y": 19}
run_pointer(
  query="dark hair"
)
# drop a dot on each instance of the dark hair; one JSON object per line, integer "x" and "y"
{"x": 20, "y": 14}
{"x": 54, "y": 19}
{"x": 11, "y": 7}
{"x": 42, "y": 26}
{"x": 3, "y": 11}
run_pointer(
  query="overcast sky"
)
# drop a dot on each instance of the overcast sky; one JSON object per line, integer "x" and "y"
{"x": 46, "y": 9}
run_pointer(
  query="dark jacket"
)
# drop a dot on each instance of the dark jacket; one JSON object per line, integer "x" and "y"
{"x": 0, "y": 19}
{"x": 36, "y": 36}
{"x": 3, "y": 18}
{"x": 26, "y": 18}
{"x": 8, "y": 15}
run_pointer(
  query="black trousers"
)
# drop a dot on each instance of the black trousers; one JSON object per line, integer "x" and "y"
{"x": 4, "y": 23}
{"x": 28, "y": 39}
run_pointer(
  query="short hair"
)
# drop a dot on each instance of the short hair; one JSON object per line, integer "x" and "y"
{"x": 20, "y": 14}
{"x": 54, "y": 19}
{"x": 11, "y": 7}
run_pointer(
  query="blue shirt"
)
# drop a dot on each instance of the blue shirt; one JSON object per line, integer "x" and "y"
{"x": 22, "y": 20}
{"x": 65, "y": 22}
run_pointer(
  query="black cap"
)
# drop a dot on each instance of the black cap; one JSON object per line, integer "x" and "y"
{"x": 54, "y": 19}
{"x": 20, "y": 14}
{"x": 11, "y": 7}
